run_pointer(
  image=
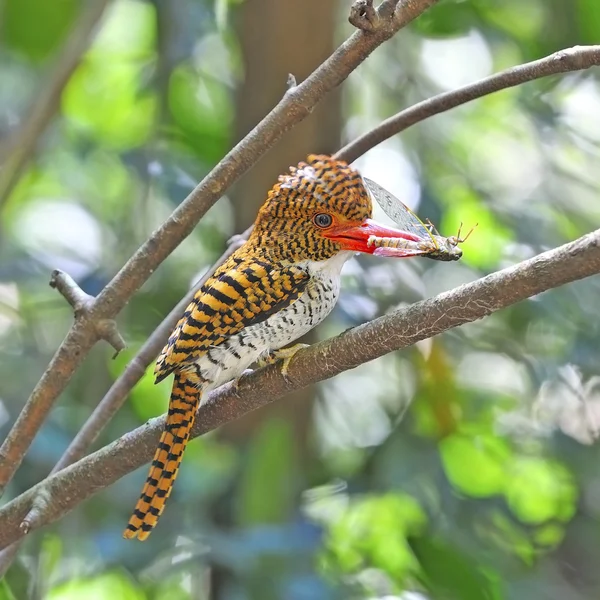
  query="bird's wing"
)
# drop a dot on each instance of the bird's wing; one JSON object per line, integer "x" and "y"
{"x": 241, "y": 293}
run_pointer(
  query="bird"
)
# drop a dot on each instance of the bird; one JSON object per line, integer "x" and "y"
{"x": 280, "y": 284}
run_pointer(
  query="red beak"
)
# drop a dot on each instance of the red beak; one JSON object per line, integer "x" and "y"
{"x": 356, "y": 238}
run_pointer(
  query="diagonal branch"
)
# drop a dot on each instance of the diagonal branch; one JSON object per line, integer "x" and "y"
{"x": 23, "y": 142}
{"x": 117, "y": 394}
{"x": 399, "y": 329}
{"x": 296, "y": 104}
{"x": 577, "y": 58}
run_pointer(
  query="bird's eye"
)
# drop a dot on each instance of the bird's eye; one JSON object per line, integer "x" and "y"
{"x": 322, "y": 220}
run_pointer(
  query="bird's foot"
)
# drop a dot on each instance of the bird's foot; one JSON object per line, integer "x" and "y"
{"x": 235, "y": 383}
{"x": 284, "y": 354}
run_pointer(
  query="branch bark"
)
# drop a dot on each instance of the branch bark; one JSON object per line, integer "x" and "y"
{"x": 577, "y": 58}
{"x": 399, "y": 329}
{"x": 293, "y": 108}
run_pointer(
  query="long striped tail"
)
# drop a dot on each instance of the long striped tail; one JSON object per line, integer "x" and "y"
{"x": 184, "y": 401}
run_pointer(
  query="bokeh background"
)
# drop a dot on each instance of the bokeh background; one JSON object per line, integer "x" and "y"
{"x": 461, "y": 468}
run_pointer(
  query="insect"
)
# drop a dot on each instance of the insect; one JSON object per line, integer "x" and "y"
{"x": 425, "y": 239}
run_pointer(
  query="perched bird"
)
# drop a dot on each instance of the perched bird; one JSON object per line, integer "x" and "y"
{"x": 279, "y": 285}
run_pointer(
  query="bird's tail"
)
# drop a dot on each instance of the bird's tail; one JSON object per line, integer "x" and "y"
{"x": 184, "y": 401}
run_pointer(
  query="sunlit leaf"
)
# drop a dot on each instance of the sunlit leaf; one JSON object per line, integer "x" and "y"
{"x": 107, "y": 586}
{"x": 127, "y": 32}
{"x": 371, "y": 533}
{"x": 488, "y": 240}
{"x": 476, "y": 466}
{"x": 104, "y": 100}
{"x": 538, "y": 490}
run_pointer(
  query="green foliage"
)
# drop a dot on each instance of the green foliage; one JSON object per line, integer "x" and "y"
{"x": 270, "y": 466}
{"x": 36, "y": 28}
{"x": 200, "y": 106}
{"x": 451, "y": 575}
{"x": 463, "y": 468}
{"x": 372, "y": 533}
{"x": 5, "y": 591}
{"x": 109, "y": 585}
{"x": 476, "y": 466}
{"x": 540, "y": 490}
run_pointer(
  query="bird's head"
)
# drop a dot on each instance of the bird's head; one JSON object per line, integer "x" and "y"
{"x": 319, "y": 209}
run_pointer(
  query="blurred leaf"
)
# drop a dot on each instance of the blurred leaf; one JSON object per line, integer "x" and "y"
{"x": 451, "y": 575}
{"x": 104, "y": 100}
{"x": 476, "y": 465}
{"x": 128, "y": 32}
{"x": 550, "y": 535}
{"x": 5, "y": 591}
{"x": 37, "y": 27}
{"x": 267, "y": 488}
{"x": 589, "y": 20}
{"x": 538, "y": 490}
{"x": 222, "y": 8}
{"x": 112, "y": 585}
{"x": 521, "y": 20}
{"x": 202, "y": 107}
{"x": 371, "y": 533}
{"x": 51, "y": 553}
{"x": 448, "y": 18}
{"x": 436, "y": 408}
{"x": 509, "y": 537}
{"x": 487, "y": 241}
{"x": 149, "y": 400}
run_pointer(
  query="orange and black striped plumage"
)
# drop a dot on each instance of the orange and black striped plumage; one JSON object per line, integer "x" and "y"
{"x": 281, "y": 283}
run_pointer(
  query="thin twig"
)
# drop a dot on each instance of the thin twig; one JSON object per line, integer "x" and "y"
{"x": 399, "y": 329}
{"x": 23, "y": 143}
{"x": 296, "y": 104}
{"x": 577, "y": 58}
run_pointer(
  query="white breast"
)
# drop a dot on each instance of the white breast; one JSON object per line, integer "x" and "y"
{"x": 229, "y": 360}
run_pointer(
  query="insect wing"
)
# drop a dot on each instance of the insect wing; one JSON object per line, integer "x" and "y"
{"x": 398, "y": 211}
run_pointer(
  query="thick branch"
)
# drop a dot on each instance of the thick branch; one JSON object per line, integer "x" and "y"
{"x": 293, "y": 108}
{"x": 23, "y": 142}
{"x": 396, "y": 330}
{"x": 572, "y": 59}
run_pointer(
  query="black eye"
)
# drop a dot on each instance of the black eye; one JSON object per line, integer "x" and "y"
{"x": 322, "y": 220}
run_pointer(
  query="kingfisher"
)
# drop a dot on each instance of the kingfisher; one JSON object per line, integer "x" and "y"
{"x": 275, "y": 288}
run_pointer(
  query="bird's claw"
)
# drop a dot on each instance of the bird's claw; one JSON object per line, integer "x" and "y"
{"x": 235, "y": 383}
{"x": 285, "y": 355}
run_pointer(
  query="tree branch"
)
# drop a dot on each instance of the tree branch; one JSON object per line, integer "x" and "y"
{"x": 572, "y": 59}
{"x": 116, "y": 396}
{"x": 106, "y": 329}
{"x": 296, "y": 104}
{"x": 399, "y": 329}
{"x": 23, "y": 142}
